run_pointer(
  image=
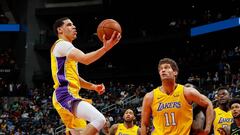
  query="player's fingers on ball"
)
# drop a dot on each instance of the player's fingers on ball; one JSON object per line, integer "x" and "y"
{"x": 114, "y": 35}
{"x": 103, "y": 90}
{"x": 100, "y": 92}
{"x": 104, "y": 37}
{"x": 119, "y": 36}
{"x": 103, "y": 87}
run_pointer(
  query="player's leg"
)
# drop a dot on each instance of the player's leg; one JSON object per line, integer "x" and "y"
{"x": 76, "y": 131}
{"x": 84, "y": 110}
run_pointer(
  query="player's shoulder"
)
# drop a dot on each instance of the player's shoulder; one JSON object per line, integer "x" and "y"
{"x": 190, "y": 87}
{"x": 216, "y": 109}
{"x": 149, "y": 95}
{"x": 187, "y": 91}
{"x": 115, "y": 126}
{"x": 113, "y": 129}
{"x": 63, "y": 42}
{"x": 62, "y": 45}
{"x": 148, "y": 98}
{"x": 190, "y": 91}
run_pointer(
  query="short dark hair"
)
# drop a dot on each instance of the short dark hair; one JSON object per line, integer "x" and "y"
{"x": 222, "y": 88}
{"x": 58, "y": 23}
{"x": 169, "y": 61}
{"x": 233, "y": 101}
{"x": 128, "y": 109}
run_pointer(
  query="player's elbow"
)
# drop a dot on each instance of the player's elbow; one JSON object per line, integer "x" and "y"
{"x": 209, "y": 105}
{"x": 85, "y": 61}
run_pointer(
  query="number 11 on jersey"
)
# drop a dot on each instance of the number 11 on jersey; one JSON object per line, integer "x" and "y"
{"x": 170, "y": 119}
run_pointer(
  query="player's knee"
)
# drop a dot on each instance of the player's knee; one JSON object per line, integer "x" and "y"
{"x": 102, "y": 120}
{"x": 99, "y": 122}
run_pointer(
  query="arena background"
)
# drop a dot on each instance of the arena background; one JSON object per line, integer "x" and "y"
{"x": 151, "y": 30}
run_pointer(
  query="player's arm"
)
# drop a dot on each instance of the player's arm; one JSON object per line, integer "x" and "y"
{"x": 146, "y": 112}
{"x": 100, "y": 88}
{"x": 113, "y": 129}
{"x": 88, "y": 58}
{"x": 192, "y": 95}
{"x": 139, "y": 131}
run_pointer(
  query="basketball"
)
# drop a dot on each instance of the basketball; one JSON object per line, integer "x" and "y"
{"x": 107, "y": 27}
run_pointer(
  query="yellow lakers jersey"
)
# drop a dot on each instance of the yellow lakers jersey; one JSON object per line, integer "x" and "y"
{"x": 65, "y": 72}
{"x": 172, "y": 114}
{"x": 222, "y": 119}
{"x": 66, "y": 85}
{"x": 122, "y": 130}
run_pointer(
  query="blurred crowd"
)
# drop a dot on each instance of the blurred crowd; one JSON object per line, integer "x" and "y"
{"x": 3, "y": 18}
{"x": 10, "y": 85}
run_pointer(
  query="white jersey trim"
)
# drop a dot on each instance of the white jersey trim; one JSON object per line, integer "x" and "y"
{"x": 62, "y": 49}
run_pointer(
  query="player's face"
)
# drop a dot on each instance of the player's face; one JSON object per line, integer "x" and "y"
{"x": 166, "y": 72}
{"x": 235, "y": 110}
{"x": 223, "y": 96}
{"x": 68, "y": 30}
{"x": 128, "y": 116}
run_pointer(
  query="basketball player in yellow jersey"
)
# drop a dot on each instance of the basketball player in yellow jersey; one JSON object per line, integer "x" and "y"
{"x": 67, "y": 82}
{"x": 170, "y": 104}
{"x": 127, "y": 127}
{"x": 223, "y": 116}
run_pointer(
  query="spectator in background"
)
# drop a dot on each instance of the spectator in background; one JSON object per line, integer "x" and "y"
{"x": 127, "y": 127}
